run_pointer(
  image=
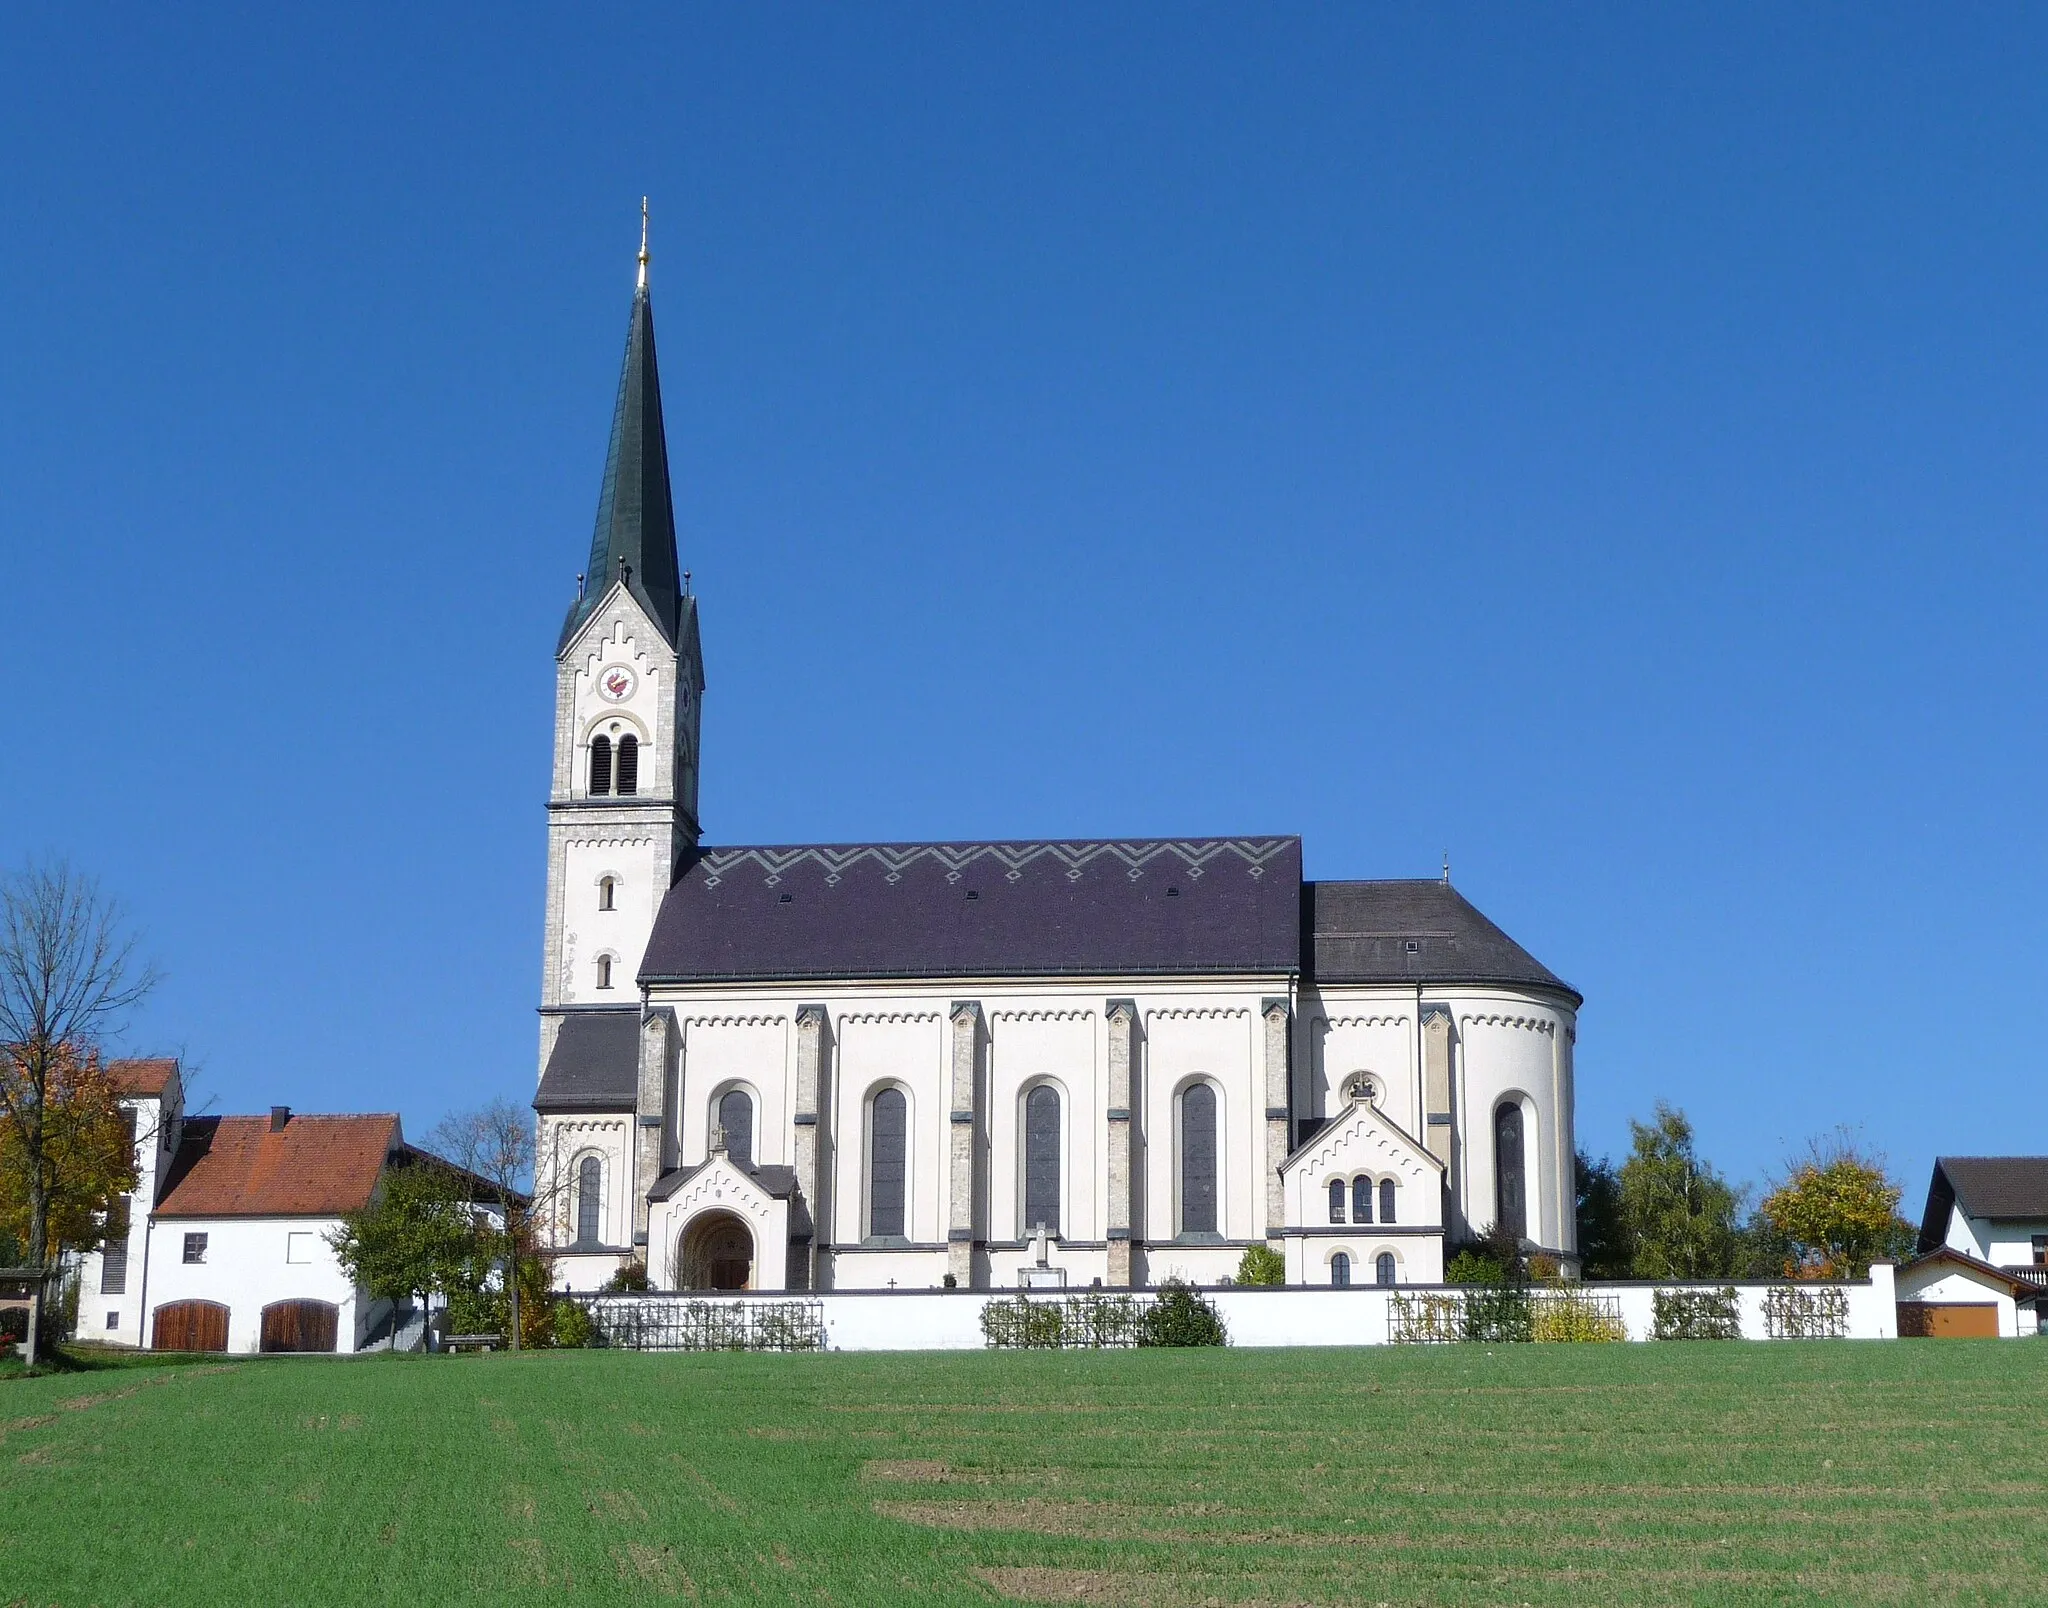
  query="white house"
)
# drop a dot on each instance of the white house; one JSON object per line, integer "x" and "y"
{"x": 888, "y": 1065}
{"x": 1992, "y": 1213}
{"x": 1949, "y": 1294}
{"x": 232, "y": 1253}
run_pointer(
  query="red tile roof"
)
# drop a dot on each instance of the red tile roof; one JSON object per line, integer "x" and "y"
{"x": 145, "y": 1079}
{"x": 311, "y": 1167}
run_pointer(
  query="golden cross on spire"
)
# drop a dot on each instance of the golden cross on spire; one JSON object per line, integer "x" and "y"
{"x": 644, "y": 258}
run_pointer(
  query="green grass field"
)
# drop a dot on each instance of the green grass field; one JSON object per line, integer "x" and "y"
{"x": 1716, "y": 1473}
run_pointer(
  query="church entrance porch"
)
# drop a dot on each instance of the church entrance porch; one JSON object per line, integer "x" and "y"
{"x": 716, "y": 1253}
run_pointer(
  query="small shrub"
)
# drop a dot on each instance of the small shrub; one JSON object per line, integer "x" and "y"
{"x": 1498, "y": 1316}
{"x": 1572, "y": 1317}
{"x": 573, "y": 1327}
{"x": 1022, "y": 1324}
{"x": 1180, "y": 1317}
{"x": 633, "y": 1276}
{"x": 1261, "y": 1264}
{"x": 1545, "y": 1269}
{"x": 1696, "y": 1315}
{"x": 1470, "y": 1267}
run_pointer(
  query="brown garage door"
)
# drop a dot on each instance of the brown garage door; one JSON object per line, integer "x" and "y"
{"x": 190, "y": 1326}
{"x": 1950, "y": 1320}
{"x": 299, "y": 1326}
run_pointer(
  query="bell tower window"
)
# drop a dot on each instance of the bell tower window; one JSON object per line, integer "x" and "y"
{"x": 607, "y": 890}
{"x": 629, "y": 766}
{"x": 604, "y": 971}
{"x": 600, "y": 766}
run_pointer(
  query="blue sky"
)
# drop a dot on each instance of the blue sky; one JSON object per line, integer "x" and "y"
{"x": 1602, "y": 443}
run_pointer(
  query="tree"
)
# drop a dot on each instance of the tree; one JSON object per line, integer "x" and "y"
{"x": 86, "y": 1163}
{"x": 1604, "y": 1249}
{"x": 68, "y": 976}
{"x": 1834, "y": 1213}
{"x": 1678, "y": 1213}
{"x": 1261, "y": 1264}
{"x": 496, "y": 1144}
{"x": 413, "y": 1239}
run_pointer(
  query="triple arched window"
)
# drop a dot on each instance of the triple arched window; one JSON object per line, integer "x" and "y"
{"x": 589, "y": 1201}
{"x": 614, "y": 769}
{"x": 1042, "y": 1160}
{"x": 1359, "y": 1194}
{"x": 888, "y": 1158}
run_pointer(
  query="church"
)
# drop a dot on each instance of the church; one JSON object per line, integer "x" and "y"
{"x": 986, "y": 1065}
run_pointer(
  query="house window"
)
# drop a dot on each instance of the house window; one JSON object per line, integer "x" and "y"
{"x": 600, "y": 766}
{"x": 888, "y": 1142}
{"x": 298, "y": 1247}
{"x": 1361, "y": 1200}
{"x": 589, "y": 1196}
{"x": 1511, "y": 1210}
{"x": 1386, "y": 1200}
{"x": 604, "y": 971}
{"x": 607, "y": 889}
{"x": 2041, "y": 1250}
{"x": 736, "y": 1117}
{"x": 1198, "y": 1159}
{"x": 113, "y": 1320}
{"x": 1383, "y": 1267}
{"x": 629, "y": 765}
{"x": 1340, "y": 1271}
{"x": 114, "y": 1258}
{"x": 1336, "y": 1200}
{"x": 195, "y": 1247}
{"x": 1042, "y": 1160}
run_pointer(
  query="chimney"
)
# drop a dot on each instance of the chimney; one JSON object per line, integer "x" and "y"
{"x": 279, "y": 1116}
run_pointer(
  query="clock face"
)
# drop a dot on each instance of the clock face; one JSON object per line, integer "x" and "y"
{"x": 615, "y": 683}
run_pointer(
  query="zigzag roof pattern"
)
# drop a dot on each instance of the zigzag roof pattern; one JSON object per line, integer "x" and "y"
{"x": 1134, "y": 856}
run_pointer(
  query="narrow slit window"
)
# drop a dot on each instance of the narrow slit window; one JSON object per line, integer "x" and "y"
{"x": 600, "y": 766}
{"x": 629, "y": 766}
{"x": 607, "y": 891}
{"x": 604, "y": 971}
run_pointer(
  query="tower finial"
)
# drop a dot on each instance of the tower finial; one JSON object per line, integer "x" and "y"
{"x": 644, "y": 258}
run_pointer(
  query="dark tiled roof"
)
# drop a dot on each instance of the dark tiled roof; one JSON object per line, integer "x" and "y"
{"x": 595, "y": 1064}
{"x": 1985, "y": 1186}
{"x": 243, "y": 1167}
{"x": 1411, "y": 932}
{"x": 1036, "y": 909}
{"x": 142, "y": 1079}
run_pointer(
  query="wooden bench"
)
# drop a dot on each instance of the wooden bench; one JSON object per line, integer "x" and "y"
{"x": 472, "y": 1342}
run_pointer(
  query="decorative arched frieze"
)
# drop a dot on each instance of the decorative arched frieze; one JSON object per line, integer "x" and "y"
{"x": 1362, "y": 1021}
{"x": 1197, "y": 1013}
{"x": 1042, "y": 1016}
{"x": 889, "y": 1016}
{"x": 1534, "y": 1024}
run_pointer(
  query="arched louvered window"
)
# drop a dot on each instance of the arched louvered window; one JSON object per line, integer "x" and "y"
{"x": 1198, "y": 1160}
{"x": 1383, "y": 1267}
{"x": 1042, "y": 1160}
{"x": 607, "y": 893}
{"x": 1340, "y": 1271}
{"x": 1511, "y": 1205}
{"x": 604, "y": 971}
{"x": 888, "y": 1143}
{"x": 589, "y": 1197}
{"x": 736, "y": 1117}
{"x": 1361, "y": 1200}
{"x": 629, "y": 765}
{"x": 1386, "y": 1200}
{"x": 600, "y": 766}
{"x": 1336, "y": 1200}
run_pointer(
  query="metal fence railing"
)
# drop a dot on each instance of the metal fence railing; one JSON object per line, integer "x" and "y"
{"x": 692, "y": 1323}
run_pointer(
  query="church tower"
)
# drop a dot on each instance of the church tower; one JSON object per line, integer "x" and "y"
{"x": 629, "y": 677}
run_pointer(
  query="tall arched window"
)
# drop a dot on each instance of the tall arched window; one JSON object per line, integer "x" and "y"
{"x": 607, "y": 892}
{"x": 1042, "y": 1160}
{"x": 1386, "y": 1200}
{"x": 629, "y": 765}
{"x": 1361, "y": 1200}
{"x": 600, "y": 766}
{"x": 1336, "y": 1200}
{"x": 1511, "y": 1206}
{"x": 736, "y": 1117}
{"x": 1383, "y": 1267}
{"x": 1340, "y": 1271}
{"x": 589, "y": 1197}
{"x": 604, "y": 971}
{"x": 1198, "y": 1160}
{"x": 888, "y": 1141}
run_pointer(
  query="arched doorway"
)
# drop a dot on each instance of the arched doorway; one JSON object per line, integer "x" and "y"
{"x": 717, "y": 1253}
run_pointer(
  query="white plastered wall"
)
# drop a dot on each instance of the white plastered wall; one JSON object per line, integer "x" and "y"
{"x": 246, "y": 1269}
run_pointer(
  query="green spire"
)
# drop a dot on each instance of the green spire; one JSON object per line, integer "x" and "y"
{"x": 636, "y": 522}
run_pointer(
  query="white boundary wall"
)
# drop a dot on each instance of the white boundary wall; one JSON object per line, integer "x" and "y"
{"x": 950, "y": 1320}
